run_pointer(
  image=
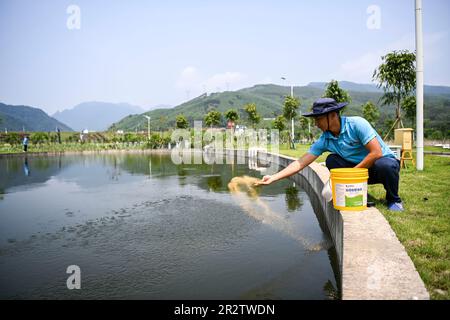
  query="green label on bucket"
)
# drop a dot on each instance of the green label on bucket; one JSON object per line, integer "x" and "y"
{"x": 350, "y": 195}
{"x": 356, "y": 201}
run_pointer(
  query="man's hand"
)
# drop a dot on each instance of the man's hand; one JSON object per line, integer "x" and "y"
{"x": 265, "y": 181}
{"x": 292, "y": 168}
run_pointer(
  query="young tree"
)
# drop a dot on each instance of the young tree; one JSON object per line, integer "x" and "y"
{"x": 232, "y": 116}
{"x": 212, "y": 118}
{"x": 334, "y": 91}
{"x": 253, "y": 115}
{"x": 290, "y": 108}
{"x": 181, "y": 122}
{"x": 409, "y": 106}
{"x": 279, "y": 123}
{"x": 397, "y": 76}
{"x": 371, "y": 113}
{"x": 305, "y": 126}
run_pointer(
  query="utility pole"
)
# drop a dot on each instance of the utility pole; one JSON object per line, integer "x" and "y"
{"x": 292, "y": 120}
{"x": 419, "y": 86}
{"x": 148, "y": 126}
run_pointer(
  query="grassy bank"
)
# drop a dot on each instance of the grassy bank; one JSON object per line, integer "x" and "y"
{"x": 300, "y": 149}
{"x": 424, "y": 226}
{"x": 64, "y": 147}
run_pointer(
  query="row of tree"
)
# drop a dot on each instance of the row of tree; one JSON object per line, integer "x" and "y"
{"x": 214, "y": 117}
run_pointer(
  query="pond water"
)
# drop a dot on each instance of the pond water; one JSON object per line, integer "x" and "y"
{"x": 140, "y": 227}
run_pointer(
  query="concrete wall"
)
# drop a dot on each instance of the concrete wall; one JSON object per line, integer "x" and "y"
{"x": 372, "y": 262}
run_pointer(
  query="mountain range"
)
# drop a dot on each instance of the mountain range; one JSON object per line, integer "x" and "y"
{"x": 95, "y": 116}
{"x": 18, "y": 118}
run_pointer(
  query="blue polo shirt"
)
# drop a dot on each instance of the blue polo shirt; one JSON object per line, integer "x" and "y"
{"x": 355, "y": 133}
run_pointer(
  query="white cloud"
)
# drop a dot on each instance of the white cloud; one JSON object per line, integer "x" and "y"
{"x": 225, "y": 81}
{"x": 191, "y": 80}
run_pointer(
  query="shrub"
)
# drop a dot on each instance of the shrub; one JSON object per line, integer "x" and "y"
{"x": 39, "y": 137}
{"x": 13, "y": 138}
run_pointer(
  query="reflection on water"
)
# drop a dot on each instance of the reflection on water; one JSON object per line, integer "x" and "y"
{"x": 26, "y": 169}
{"x": 293, "y": 201}
{"x": 140, "y": 226}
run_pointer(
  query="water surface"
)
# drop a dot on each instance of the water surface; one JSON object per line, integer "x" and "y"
{"x": 139, "y": 226}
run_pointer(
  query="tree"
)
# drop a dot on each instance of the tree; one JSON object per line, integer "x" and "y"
{"x": 212, "y": 118}
{"x": 290, "y": 107}
{"x": 279, "y": 123}
{"x": 397, "y": 76}
{"x": 409, "y": 106}
{"x": 253, "y": 115}
{"x": 387, "y": 126}
{"x": 371, "y": 113}
{"x": 181, "y": 122}
{"x": 334, "y": 91}
{"x": 130, "y": 137}
{"x": 156, "y": 141}
{"x": 232, "y": 115}
{"x": 305, "y": 126}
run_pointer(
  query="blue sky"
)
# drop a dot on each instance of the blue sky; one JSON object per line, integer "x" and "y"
{"x": 163, "y": 52}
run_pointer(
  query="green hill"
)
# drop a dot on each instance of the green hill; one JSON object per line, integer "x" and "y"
{"x": 17, "y": 118}
{"x": 269, "y": 100}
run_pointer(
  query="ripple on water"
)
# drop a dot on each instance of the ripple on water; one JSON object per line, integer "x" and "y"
{"x": 138, "y": 253}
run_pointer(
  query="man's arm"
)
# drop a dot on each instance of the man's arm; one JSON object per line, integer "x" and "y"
{"x": 374, "y": 154}
{"x": 291, "y": 169}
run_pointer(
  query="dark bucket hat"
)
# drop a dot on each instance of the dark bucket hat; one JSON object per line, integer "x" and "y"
{"x": 323, "y": 106}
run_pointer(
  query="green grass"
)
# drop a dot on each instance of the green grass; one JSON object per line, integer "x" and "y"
{"x": 435, "y": 149}
{"x": 300, "y": 149}
{"x": 424, "y": 227}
